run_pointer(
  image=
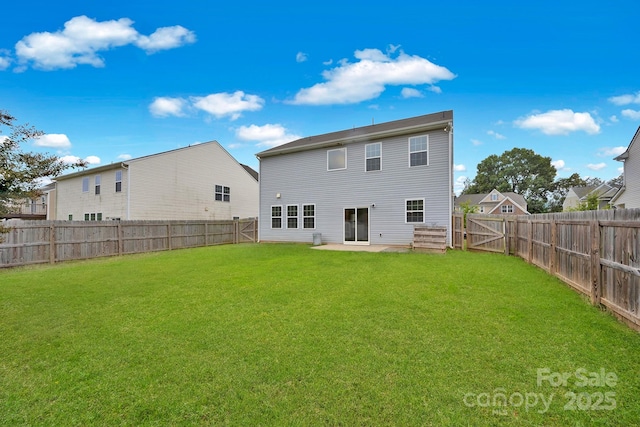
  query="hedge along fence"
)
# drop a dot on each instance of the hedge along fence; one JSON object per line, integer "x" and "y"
{"x": 595, "y": 252}
{"x": 36, "y": 242}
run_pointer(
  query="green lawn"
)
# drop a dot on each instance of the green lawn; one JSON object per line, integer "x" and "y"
{"x": 285, "y": 335}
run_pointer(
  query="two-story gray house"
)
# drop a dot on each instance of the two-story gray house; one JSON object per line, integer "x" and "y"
{"x": 367, "y": 185}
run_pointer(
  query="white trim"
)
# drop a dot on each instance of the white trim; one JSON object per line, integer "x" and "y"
{"x": 373, "y": 157}
{"x": 271, "y": 217}
{"x": 315, "y": 219}
{"x": 356, "y": 242}
{"x": 421, "y": 151}
{"x": 297, "y": 216}
{"x": 424, "y": 210}
{"x": 344, "y": 149}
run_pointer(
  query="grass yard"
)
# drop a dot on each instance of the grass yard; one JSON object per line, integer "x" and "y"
{"x": 286, "y": 335}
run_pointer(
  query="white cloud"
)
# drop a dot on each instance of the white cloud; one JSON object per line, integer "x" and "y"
{"x": 496, "y": 135}
{"x": 558, "y": 164}
{"x": 459, "y": 168}
{"x": 597, "y": 166}
{"x": 269, "y": 135}
{"x": 228, "y": 104}
{"x": 166, "y": 38}
{"x": 559, "y": 122}
{"x": 631, "y": 114}
{"x": 5, "y": 59}
{"x": 234, "y": 146}
{"x": 165, "y": 106}
{"x": 621, "y": 169}
{"x": 476, "y": 142}
{"x": 53, "y": 140}
{"x": 626, "y": 99}
{"x": 409, "y": 92}
{"x": 124, "y": 157}
{"x": 458, "y": 185}
{"x": 92, "y": 160}
{"x": 611, "y": 151}
{"x": 301, "y": 57}
{"x": 82, "y": 38}
{"x": 350, "y": 83}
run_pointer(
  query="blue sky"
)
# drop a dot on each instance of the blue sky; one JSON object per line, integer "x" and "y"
{"x": 108, "y": 81}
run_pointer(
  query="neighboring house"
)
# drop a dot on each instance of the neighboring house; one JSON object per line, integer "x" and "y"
{"x": 579, "y": 195}
{"x": 367, "y": 185}
{"x": 202, "y": 181}
{"x": 628, "y": 196}
{"x": 37, "y": 208}
{"x": 495, "y": 202}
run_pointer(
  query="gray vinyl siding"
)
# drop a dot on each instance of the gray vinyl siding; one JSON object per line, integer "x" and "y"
{"x": 630, "y": 198}
{"x": 302, "y": 178}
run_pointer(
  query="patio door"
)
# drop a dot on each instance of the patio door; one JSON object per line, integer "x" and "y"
{"x": 356, "y": 226}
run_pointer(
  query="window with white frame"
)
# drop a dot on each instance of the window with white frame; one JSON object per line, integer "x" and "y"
{"x": 222, "y": 193}
{"x": 97, "y": 181}
{"x": 276, "y": 216}
{"x": 415, "y": 210}
{"x": 506, "y": 208}
{"x": 309, "y": 216}
{"x": 337, "y": 159}
{"x": 292, "y": 216}
{"x": 118, "y": 181}
{"x": 494, "y": 197}
{"x": 85, "y": 184}
{"x": 373, "y": 157}
{"x": 419, "y": 150}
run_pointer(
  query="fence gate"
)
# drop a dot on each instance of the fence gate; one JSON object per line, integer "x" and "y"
{"x": 486, "y": 233}
{"x": 247, "y": 231}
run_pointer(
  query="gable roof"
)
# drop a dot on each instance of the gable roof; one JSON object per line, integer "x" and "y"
{"x": 625, "y": 155}
{"x": 397, "y": 127}
{"x": 582, "y": 192}
{"x": 476, "y": 199}
{"x": 251, "y": 171}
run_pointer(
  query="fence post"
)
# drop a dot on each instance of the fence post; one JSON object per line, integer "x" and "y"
{"x": 52, "y": 244}
{"x": 255, "y": 230}
{"x": 120, "y": 243}
{"x": 595, "y": 262}
{"x": 552, "y": 248}
{"x": 530, "y": 242}
{"x": 169, "y": 236}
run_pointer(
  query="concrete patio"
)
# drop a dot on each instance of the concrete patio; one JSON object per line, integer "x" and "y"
{"x": 361, "y": 248}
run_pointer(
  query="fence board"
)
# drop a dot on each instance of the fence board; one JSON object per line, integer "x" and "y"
{"x": 34, "y": 242}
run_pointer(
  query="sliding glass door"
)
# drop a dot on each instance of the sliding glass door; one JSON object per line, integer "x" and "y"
{"x": 356, "y": 226}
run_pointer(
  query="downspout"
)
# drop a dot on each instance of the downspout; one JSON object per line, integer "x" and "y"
{"x": 451, "y": 194}
{"x": 126, "y": 166}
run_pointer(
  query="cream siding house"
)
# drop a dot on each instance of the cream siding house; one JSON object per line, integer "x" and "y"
{"x": 202, "y": 181}
{"x": 629, "y": 194}
{"x": 367, "y": 185}
{"x": 495, "y": 202}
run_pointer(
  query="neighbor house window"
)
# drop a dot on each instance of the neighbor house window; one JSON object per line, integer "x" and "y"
{"x": 419, "y": 150}
{"x": 292, "y": 216}
{"x": 276, "y": 216}
{"x": 223, "y": 194}
{"x": 99, "y": 216}
{"x": 70, "y": 217}
{"x": 494, "y": 197}
{"x": 337, "y": 159}
{"x": 308, "y": 216}
{"x": 86, "y": 217}
{"x": 97, "y": 184}
{"x": 85, "y": 185}
{"x": 118, "y": 181}
{"x": 373, "y": 157}
{"x": 506, "y": 208}
{"x": 415, "y": 210}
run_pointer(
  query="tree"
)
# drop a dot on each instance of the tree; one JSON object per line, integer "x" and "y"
{"x": 519, "y": 170}
{"x": 467, "y": 208}
{"x": 21, "y": 172}
{"x": 560, "y": 189}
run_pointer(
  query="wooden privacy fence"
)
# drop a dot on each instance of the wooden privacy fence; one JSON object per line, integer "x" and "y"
{"x": 35, "y": 242}
{"x": 595, "y": 252}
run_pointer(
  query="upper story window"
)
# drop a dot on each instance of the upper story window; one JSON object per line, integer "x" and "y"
{"x": 118, "y": 181}
{"x": 506, "y": 208}
{"x": 494, "y": 197}
{"x": 85, "y": 184}
{"x": 337, "y": 159}
{"x": 373, "y": 156}
{"x": 222, "y": 193}
{"x": 419, "y": 150}
{"x": 97, "y": 184}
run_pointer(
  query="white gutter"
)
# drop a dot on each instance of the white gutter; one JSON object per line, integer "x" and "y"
{"x": 451, "y": 194}
{"x": 126, "y": 166}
